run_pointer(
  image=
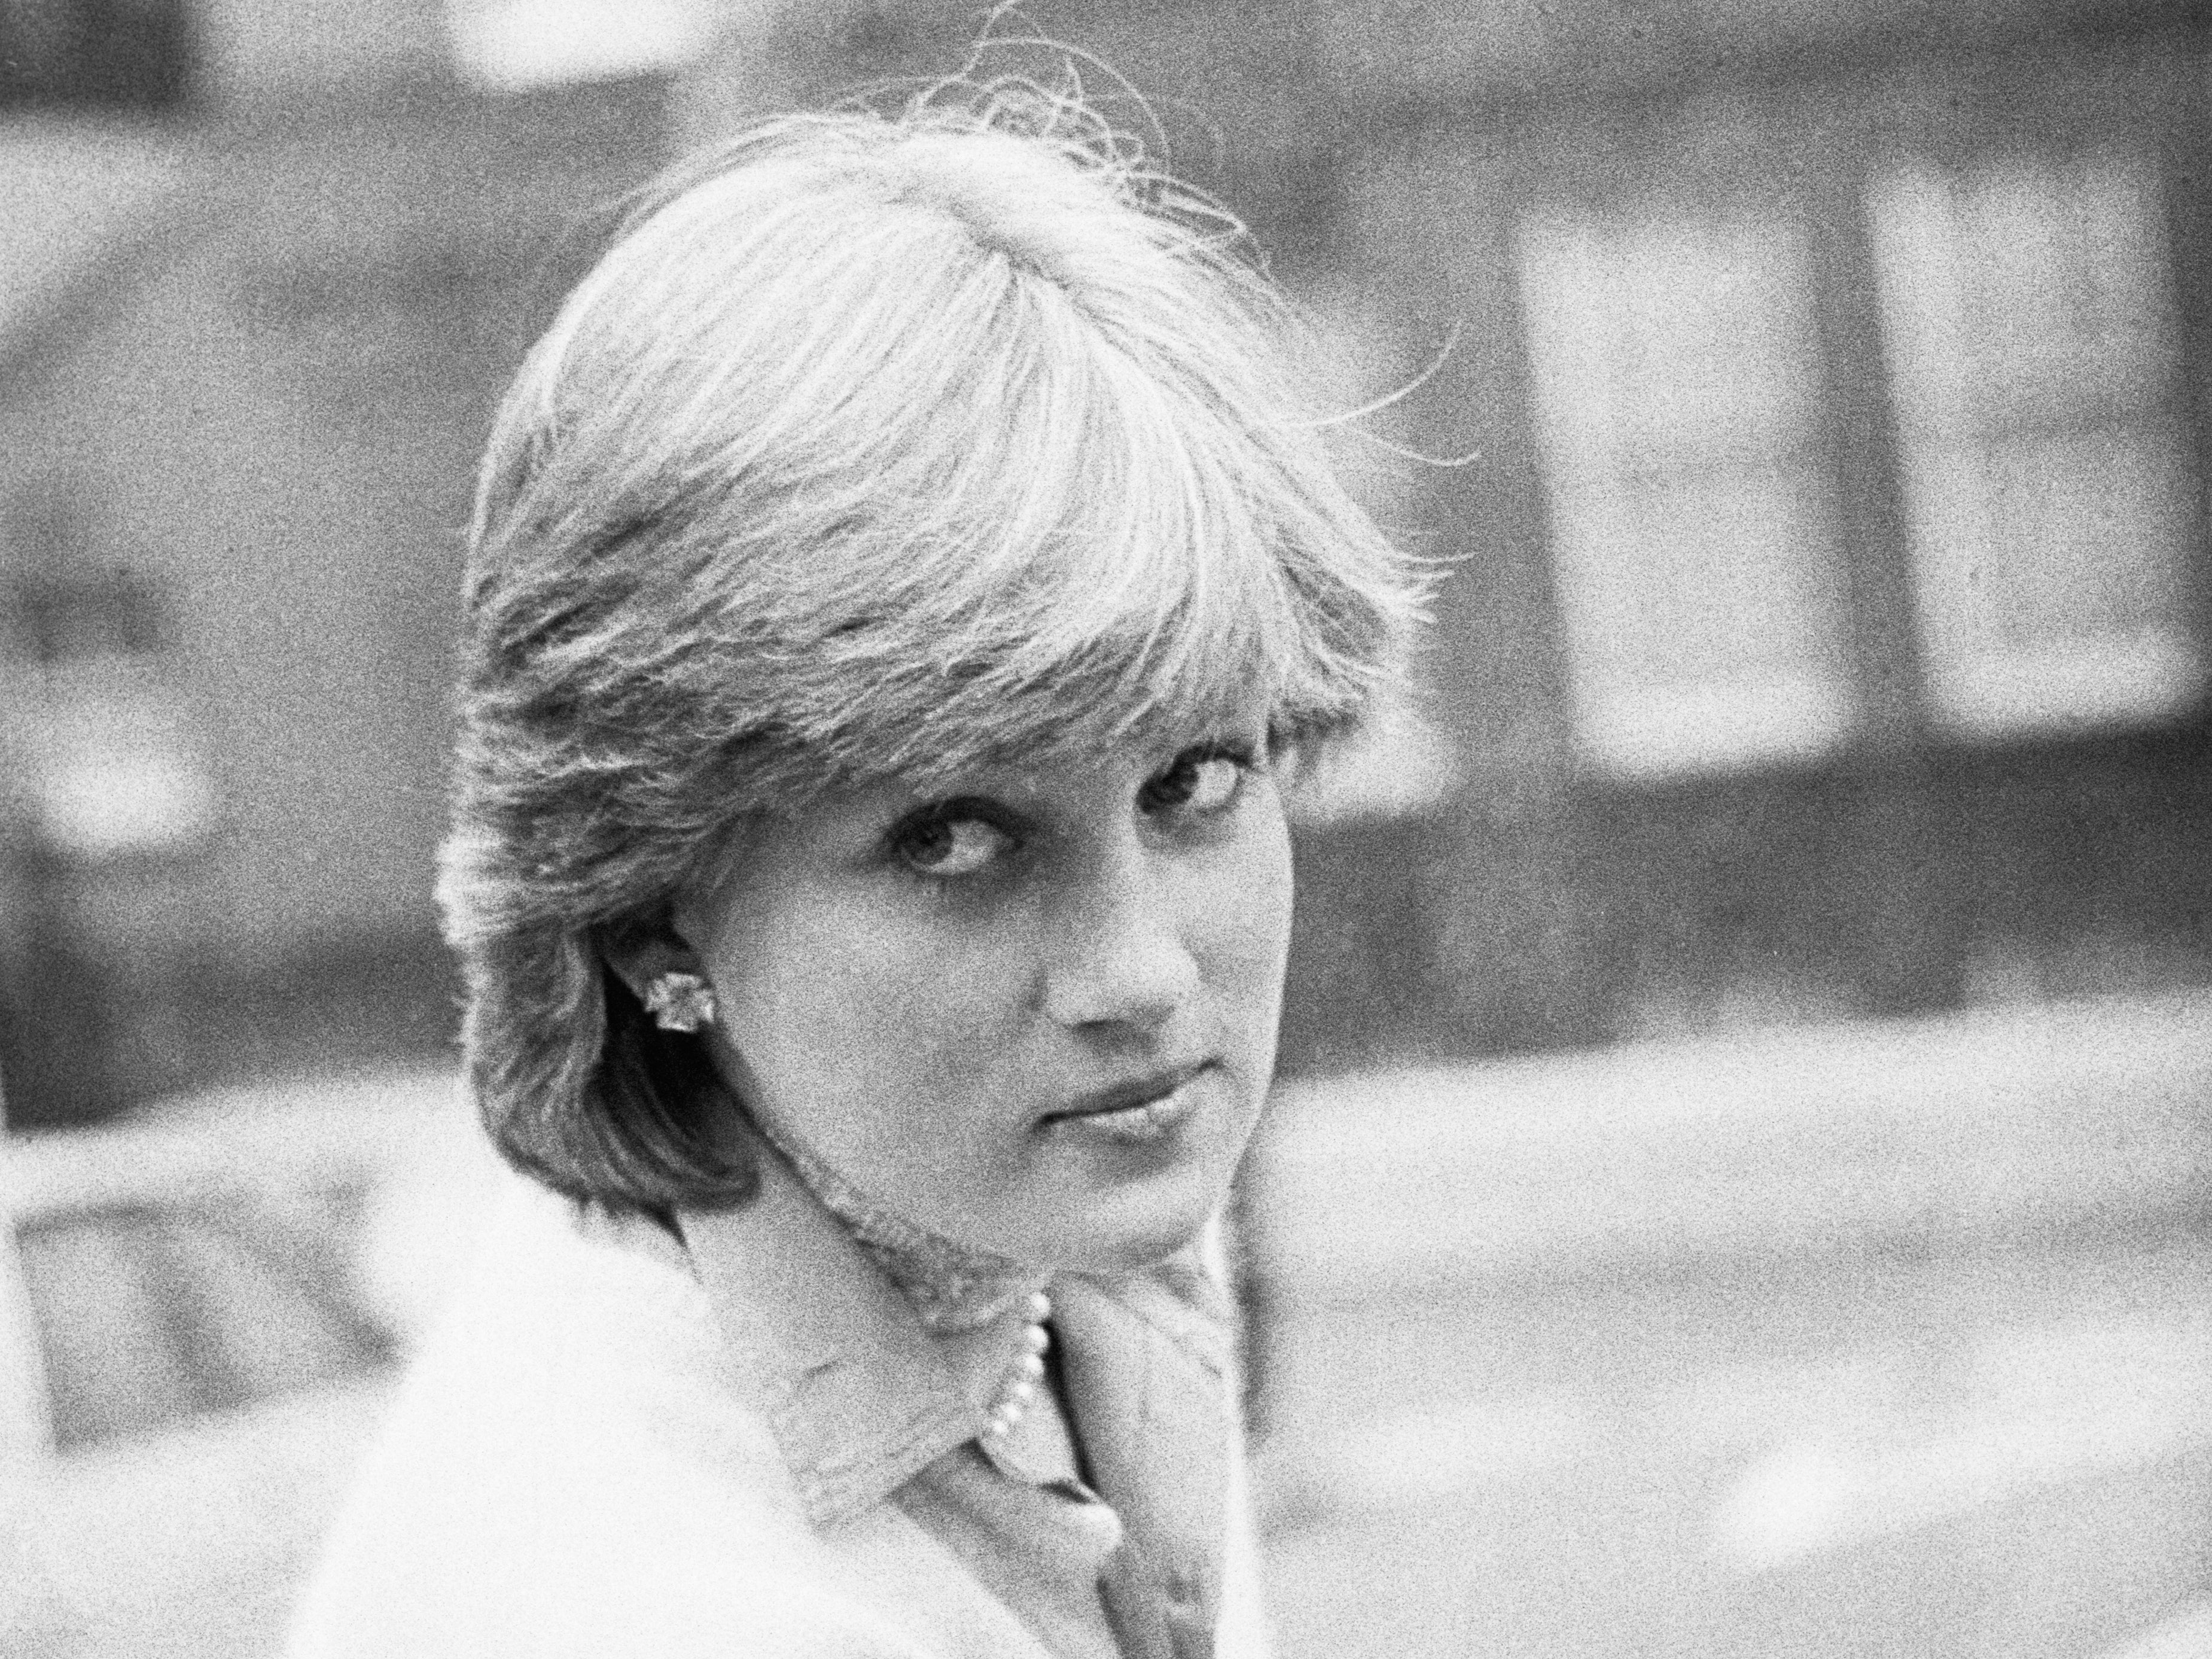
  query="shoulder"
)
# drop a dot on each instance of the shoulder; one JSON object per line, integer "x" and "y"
{"x": 565, "y": 1472}
{"x": 665, "y": 1597}
{"x": 680, "y": 1607}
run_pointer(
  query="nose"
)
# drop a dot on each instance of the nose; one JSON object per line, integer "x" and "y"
{"x": 1118, "y": 958}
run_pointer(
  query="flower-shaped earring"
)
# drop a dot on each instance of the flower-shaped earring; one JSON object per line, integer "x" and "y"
{"x": 680, "y": 1002}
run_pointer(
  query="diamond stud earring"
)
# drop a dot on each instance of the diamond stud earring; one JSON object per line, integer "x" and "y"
{"x": 680, "y": 1002}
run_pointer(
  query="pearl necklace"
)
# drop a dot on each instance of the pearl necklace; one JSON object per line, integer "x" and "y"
{"x": 950, "y": 1286}
{"x": 1013, "y": 1402}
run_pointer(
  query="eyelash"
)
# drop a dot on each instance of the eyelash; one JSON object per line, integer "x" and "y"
{"x": 946, "y": 814}
{"x": 1241, "y": 756}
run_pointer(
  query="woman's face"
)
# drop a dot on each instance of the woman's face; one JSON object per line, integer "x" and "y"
{"x": 1035, "y": 1012}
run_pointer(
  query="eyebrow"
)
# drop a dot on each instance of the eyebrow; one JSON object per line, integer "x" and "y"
{"x": 965, "y": 804}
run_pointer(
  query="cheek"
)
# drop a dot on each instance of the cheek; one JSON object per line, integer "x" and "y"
{"x": 1244, "y": 908}
{"x": 836, "y": 1009}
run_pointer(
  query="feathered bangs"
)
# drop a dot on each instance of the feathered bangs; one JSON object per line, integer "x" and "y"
{"x": 1099, "y": 546}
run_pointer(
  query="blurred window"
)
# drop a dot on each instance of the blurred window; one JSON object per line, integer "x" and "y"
{"x": 127, "y": 54}
{"x": 1397, "y": 765}
{"x": 1693, "y": 528}
{"x": 2046, "y": 466}
{"x": 150, "y": 1316}
{"x": 512, "y": 45}
{"x": 98, "y": 725}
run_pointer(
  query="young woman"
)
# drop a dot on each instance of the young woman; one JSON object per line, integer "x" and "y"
{"x": 902, "y": 581}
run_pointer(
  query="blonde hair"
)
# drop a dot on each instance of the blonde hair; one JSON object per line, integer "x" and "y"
{"x": 874, "y": 445}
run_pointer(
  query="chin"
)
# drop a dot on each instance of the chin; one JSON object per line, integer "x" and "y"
{"x": 1106, "y": 1207}
{"x": 1123, "y": 1231}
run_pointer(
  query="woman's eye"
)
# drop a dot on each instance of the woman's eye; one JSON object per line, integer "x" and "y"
{"x": 1195, "y": 783}
{"x": 951, "y": 846}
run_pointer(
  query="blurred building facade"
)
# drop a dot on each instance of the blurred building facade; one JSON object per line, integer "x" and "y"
{"x": 254, "y": 333}
{"x": 1829, "y": 390}
{"x": 1828, "y": 634}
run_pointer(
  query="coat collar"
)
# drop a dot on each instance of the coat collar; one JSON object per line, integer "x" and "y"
{"x": 861, "y": 1400}
{"x": 855, "y": 1391}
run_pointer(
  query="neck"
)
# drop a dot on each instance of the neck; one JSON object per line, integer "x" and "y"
{"x": 950, "y": 1287}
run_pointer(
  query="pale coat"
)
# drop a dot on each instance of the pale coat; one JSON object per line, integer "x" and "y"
{"x": 744, "y": 1445}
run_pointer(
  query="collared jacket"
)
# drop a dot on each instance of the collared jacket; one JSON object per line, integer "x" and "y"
{"x": 742, "y": 1443}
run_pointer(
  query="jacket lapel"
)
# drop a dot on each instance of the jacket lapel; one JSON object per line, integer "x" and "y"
{"x": 858, "y": 1396}
{"x": 1147, "y": 1366}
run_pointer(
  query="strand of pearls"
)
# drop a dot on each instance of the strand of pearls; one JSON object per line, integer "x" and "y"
{"x": 1020, "y": 1387}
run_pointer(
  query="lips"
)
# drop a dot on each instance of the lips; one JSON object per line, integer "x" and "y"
{"x": 1145, "y": 1112}
{"x": 1125, "y": 1096}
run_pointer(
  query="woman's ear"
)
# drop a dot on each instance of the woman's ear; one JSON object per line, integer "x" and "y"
{"x": 640, "y": 952}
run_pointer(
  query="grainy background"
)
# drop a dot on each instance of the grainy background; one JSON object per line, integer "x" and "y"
{"x": 1739, "y": 1187}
